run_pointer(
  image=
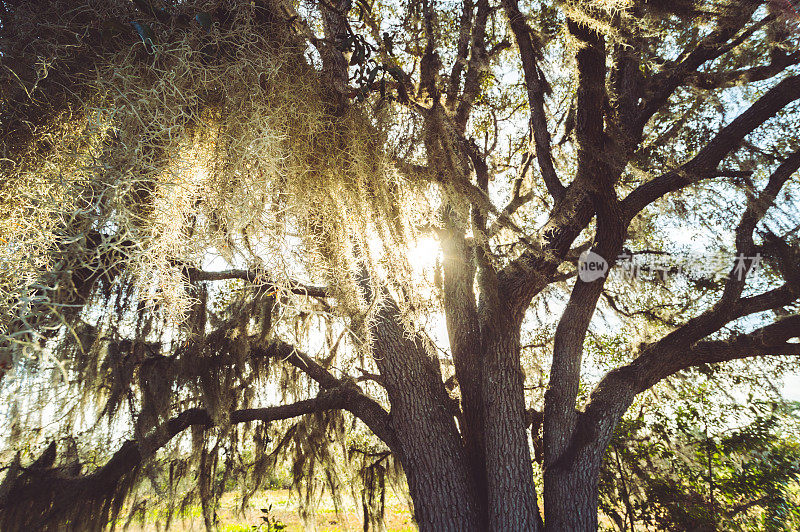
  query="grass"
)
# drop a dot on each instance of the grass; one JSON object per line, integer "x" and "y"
{"x": 283, "y": 508}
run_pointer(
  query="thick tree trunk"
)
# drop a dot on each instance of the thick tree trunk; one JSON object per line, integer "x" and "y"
{"x": 467, "y": 346}
{"x": 512, "y": 494}
{"x": 571, "y": 496}
{"x": 431, "y": 451}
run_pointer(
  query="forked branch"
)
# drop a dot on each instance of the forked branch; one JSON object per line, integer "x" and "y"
{"x": 704, "y": 164}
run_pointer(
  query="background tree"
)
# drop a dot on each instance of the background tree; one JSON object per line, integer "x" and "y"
{"x": 211, "y": 207}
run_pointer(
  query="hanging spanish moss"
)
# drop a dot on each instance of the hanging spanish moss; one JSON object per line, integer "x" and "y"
{"x": 140, "y": 161}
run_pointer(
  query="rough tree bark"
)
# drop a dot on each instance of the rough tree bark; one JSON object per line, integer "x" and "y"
{"x": 430, "y": 448}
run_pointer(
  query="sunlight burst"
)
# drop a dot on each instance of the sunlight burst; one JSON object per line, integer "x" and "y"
{"x": 423, "y": 255}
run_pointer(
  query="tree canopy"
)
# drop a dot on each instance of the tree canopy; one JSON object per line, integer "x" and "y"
{"x": 359, "y": 238}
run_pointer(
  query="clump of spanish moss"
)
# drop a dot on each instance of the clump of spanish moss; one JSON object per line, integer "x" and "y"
{"x": 190, "y": 142}
{"x": 136, "y": 155}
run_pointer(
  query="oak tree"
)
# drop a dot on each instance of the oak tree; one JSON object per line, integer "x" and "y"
{"x": 359, "y": 233}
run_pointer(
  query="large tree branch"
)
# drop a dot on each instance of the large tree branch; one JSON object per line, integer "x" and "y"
{"x": 360, "y": 405}
{"x": 475, "y": 66}
{"x": 590, "y": 98}
{"x": 686, "y": 347}
{"x": 717, "y": 43}
{"x": 526, "y": 276}
{"x": 536, "y": 87}
{"x": 704, "y": 164}
{"x": 597, "y": 170}
{"x": 625, "y": 90}
{"x": 731, "y": 78}
{"x": 567, "y": 435}
{"x": 63, "y": 490}
{"x": 659, "y": 361}
{"x": 616, "y": 391}
{"x": 255, "y": 277}
{"x": 764, "y": 342}
{"x": 366, "y": 409}
{"x": 773, "y": 299}
{"x": 462, "y": 49}
{"x": 336, "y": 30}
{"x": 430, "y": 62}
{"x": 730, "y": 306}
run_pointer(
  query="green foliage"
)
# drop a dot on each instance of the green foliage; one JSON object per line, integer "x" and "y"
{"x": 676, "y": 475}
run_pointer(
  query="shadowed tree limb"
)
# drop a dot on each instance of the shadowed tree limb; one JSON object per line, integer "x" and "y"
{"x": 363, "y": 407}
{"x": 718, "y": 42}
{"x": 730, "y": 305}
{"x": 475, "y": 65}
{"x": 559, "y": 410}
{"x": 536, "y": 87}
{"x": 768, "y": 340}
{"x": 659, "y": 361}
{"x": 69, "y": 490}
{"x": 366, "y": 409}
{"x": 704, "y": 164}
{"x": 680, "y": 349}
{"x": 731, "y": 78}
{"x": 253, "y": 276}
{"x": 566, "y": 440}
{"x": 462, "y": 49}
{"x": 671, "y": 350}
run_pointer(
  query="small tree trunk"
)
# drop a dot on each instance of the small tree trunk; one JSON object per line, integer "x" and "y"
{"x": 466, "y": 344}
{"x": 571, "y": 480}
{"x": 373, "y": 498}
